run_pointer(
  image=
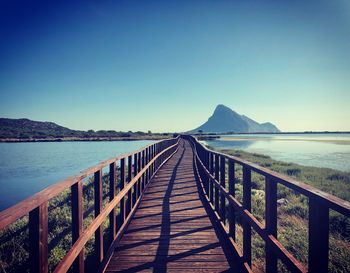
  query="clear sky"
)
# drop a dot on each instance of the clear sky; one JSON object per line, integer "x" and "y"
{"x": 165, "y": 65}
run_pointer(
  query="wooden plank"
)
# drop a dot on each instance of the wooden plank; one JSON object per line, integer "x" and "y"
{"x": 38, "y": 236}
{"x": 69, "y": 258}
{"x": 157, "y": 235}
{"x": 77, "y": 222}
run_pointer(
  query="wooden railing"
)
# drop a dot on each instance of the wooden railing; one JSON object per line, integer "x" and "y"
{"x": 214, "y": 167}
{"x": 136, "y": 170}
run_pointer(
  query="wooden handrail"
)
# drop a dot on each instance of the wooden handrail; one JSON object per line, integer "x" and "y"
{"x": 330, "y": 200}
{"x": 150, "y": 159}
{"x": 211, "y": 169}
{"x": 22, "y": 208}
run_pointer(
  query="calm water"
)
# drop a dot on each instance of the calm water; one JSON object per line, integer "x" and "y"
{"x": 26, "y": 168}
{"x": 320, "y": 150}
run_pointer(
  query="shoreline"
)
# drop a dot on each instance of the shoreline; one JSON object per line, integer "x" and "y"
{"x": 337, "y": 141}
{"x": 333, "y": 181}
{"x": 72, "y": 139}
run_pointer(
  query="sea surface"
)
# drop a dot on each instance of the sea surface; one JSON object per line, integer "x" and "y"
{"x": 26, "y": 168}
{"x": 319, "y": 150}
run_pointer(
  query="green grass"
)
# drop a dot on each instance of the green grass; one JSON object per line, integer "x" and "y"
{"x": 293, "y": 210}
{"x": 292, "y": 218}
{"x": 14, "y": 240}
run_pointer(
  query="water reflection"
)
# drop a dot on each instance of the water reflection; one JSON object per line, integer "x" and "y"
{"x": 26, "y": 168}
{"x": 319, "y": 150}
{"x": 232, "y": 144}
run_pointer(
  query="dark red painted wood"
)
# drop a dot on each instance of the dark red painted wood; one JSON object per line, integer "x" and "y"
{"x": 38, "y": 234}
{"x": 77, "y": 222}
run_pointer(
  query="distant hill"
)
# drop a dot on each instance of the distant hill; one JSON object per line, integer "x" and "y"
{"x": 26, "y": 128}
{"x": 23, "y": 129}
{"x": 225, "y": 120}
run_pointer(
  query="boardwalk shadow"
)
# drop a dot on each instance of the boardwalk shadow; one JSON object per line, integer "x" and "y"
{"x": 163, "y": 247}
{"x": 220, "y": 232}
{"x": 177, "y": 234}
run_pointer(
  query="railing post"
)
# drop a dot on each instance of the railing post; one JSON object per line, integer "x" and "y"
{"x": 153, "y": 156}
{"x": 38, "y": 236}
{"x": 247, "y": 233}
{"x": 144, "y": 174}
{"x": 135, "y": 173}
{"x": 222, "y": 183}
{"x": 77, "y": 222}
{"x": 146, "y": 162}
{"x": 270, "y": 221}
{"x": 318, "y": 236}
{"x": 207, "y": 181}
{"x": 211, "y": 185}
{"x": 98, "y": 208}
{"x": 231, "y": 190}
{"x": 130, "y": 204}
{"x": 139, "y": 167}
{"x": 217, "y": 179}
{"x": 112, "y": 193}
{"x": 122, "y": 185}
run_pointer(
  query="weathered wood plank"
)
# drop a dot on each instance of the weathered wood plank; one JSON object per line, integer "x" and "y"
{"x": 171, "y": 228}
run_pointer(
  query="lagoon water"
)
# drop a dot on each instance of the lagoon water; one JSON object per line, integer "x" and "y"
{"x": 319, "y": 150}
{"x": 26, "y": 168}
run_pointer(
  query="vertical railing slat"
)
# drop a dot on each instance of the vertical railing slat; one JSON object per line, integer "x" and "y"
{"x": 231, "y": 190}
{"x": 211, "y": 186}
{"x": 270, "y": 221}
{"x": 223, "y": 184}
{"x": 146, "y": 161}
{"x": 77, "y": 222}
{"x": 140, "y": 168}
{"x": 112, "y": 193}
{"x": 98, "y": 208}
{"x": 122, "y": 213}
{"x": 130, "y": 203}
{"x": 144, "y": 174}
{"x": 318, "y": 236}
{"x": 135, "y": 173}
{"x": 38, "y": 237}
{"x": 216, "y": 201}
{"x": 247, "y": 233}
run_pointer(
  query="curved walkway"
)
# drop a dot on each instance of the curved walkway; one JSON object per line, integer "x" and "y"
{"x": 173, "y": 230}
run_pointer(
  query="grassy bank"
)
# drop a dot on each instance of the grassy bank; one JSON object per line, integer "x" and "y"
{"x": 293, "y": 210}
{"x": 14, "y": 240}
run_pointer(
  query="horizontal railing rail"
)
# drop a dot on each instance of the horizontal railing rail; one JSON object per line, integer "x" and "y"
{"x": 136, "y": 170}
{"x": 211, "y": 168}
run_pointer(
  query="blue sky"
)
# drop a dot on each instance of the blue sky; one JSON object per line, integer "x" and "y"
{"x": 165, "y": 65}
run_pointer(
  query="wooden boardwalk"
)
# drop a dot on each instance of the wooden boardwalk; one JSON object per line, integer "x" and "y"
{"x": 173, "y": 230}
{"x": 172, "y": 225}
